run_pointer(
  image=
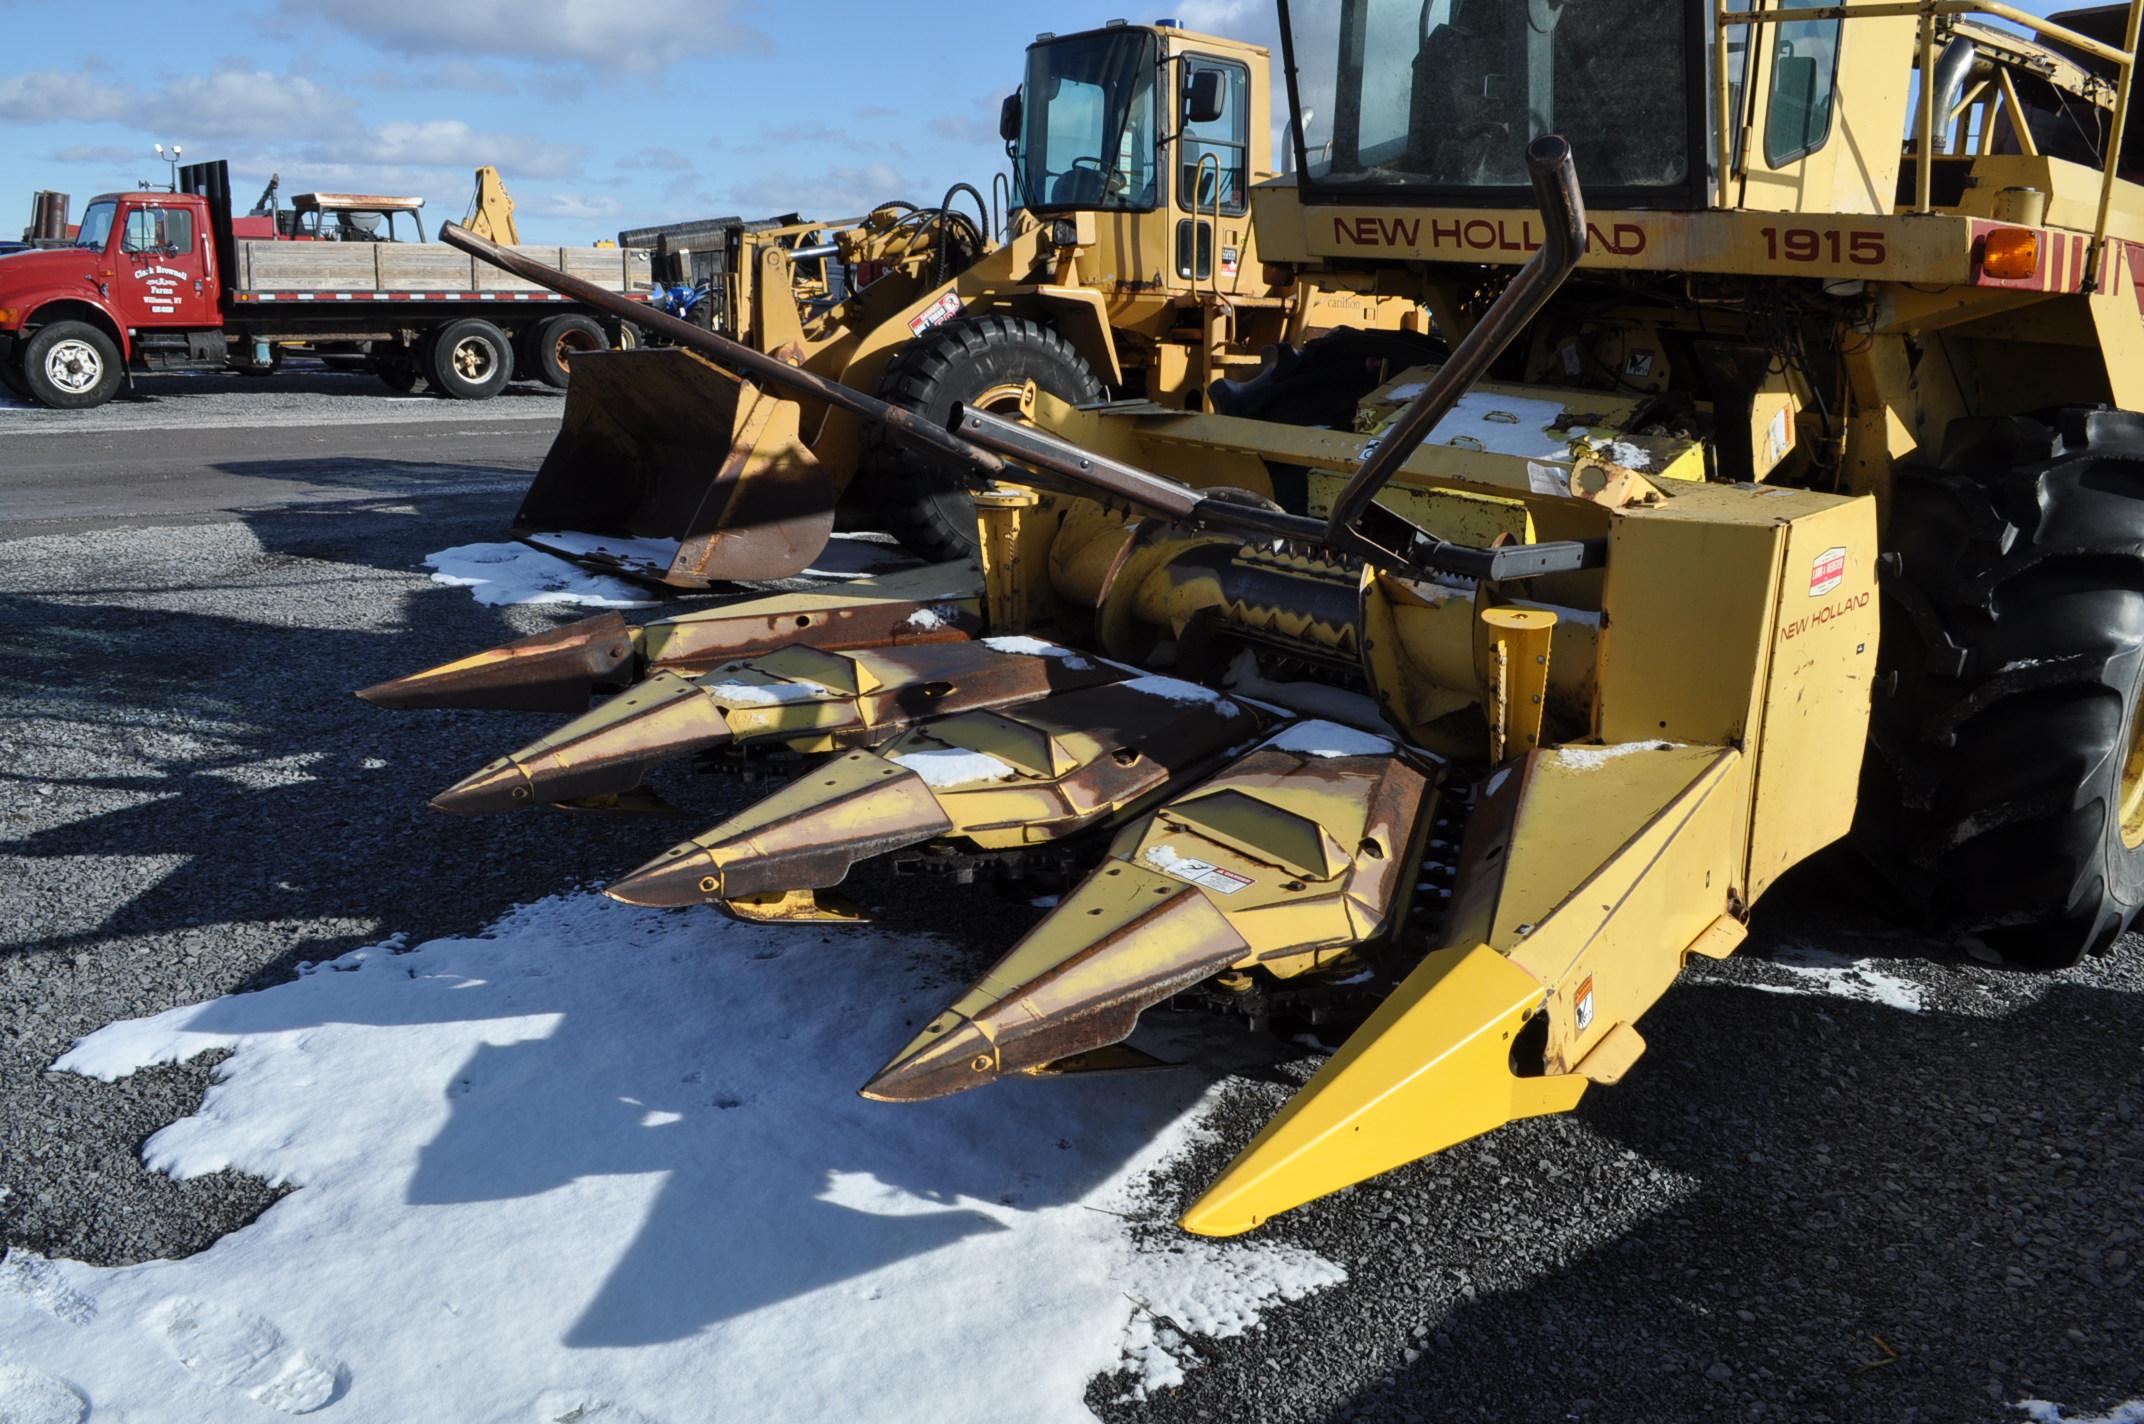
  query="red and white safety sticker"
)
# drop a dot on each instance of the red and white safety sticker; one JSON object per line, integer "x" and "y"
{"x": 944, "y": 309}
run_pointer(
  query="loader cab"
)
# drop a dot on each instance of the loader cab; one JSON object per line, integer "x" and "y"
{"x": 1155, "y": 131}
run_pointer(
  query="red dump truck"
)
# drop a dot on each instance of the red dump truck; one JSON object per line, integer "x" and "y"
{"x": 172, "y": 282}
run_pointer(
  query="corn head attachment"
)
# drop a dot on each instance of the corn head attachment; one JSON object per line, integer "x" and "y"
{"x": 1462, "y": 803}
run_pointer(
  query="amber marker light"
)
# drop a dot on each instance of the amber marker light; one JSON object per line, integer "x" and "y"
{"x": 2009, "y": 253}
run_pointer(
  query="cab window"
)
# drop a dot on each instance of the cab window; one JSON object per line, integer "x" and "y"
{"x": 1804, "y": 68}
{"x": 1215, "y": 158}
{"x": 160, "y": 230}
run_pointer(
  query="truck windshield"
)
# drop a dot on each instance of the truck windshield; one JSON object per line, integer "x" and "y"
{"x": 1087, "y": 127}
{"x": 1446, "y": 94}
{"x": 96, "y": 225}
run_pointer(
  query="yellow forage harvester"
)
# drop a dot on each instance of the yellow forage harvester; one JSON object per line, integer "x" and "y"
{"x": 1464, "y": 722}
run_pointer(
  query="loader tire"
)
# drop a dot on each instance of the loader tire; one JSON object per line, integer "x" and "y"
{"x": 2004, "y": 786}
{"x": 983, "y": 361}
{"x": 71, "y": 365}
{"x": 470, "y": 359}
{"x": 553, "y": 344}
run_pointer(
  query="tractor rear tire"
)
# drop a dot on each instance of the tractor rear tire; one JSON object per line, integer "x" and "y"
{"x": 2004, "y": 786}
{"x": 71, "y": 365}
{"x": 984, "y": 361}
{"x": 470, "y": 359}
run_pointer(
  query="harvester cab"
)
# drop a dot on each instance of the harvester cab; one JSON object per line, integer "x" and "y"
{"x": 1124, "y": 264}
{"x": 1604, "y": 582}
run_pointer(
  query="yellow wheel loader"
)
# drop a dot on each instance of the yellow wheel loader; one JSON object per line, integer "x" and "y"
{"x": 1130, "y": 268}
{"x": 1792, "y": 488}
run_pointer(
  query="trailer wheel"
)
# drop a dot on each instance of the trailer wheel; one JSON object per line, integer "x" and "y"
{"x": 556, "y": 341}
{"x": 470, "y": 360}
{"x": 71, "y": 365}
{"x": 982, "y": 362}
{"x": 2004, "y": 789}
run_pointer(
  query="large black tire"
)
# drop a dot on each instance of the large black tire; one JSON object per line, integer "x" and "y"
{"x": 984, "y": 361}
{"x": 2004, "y": 787}
{"x": 548, "y": 348}
{"x": 11, "y": 377}
{"x": 71, "y": 365}
{"x": 470, "y": 359}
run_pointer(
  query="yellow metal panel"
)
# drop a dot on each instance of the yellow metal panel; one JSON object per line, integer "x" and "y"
{"x": 1577, "y": 807}
{"x": 1814, "y": 721}
{"x": 1685, "y": 611}
{"x": 1615, "y": 944}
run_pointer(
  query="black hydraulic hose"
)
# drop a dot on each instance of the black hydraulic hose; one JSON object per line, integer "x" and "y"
{"x": 945, "y": 221}
{"x": 1563, "y": 213}
{"x": 903, "y": 425}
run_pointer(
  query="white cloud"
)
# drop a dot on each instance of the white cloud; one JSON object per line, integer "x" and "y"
{"x": 451, "y": 143}
{"x": 454, "y": 75}
{"x": 49, "y": 96}
{"x": 237, "y": 103}
{"x": 647, "y": 35}
{"x": 104, "y": 153}
{"x": 821, "y": 193}
{"x": 660, "y": 160}
{"x": 576, "y": 206}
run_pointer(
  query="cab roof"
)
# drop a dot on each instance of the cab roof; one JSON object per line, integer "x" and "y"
{"x": 354, "y": 203}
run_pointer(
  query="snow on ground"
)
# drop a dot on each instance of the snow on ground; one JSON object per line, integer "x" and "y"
{"x": 1824, "y": 971}
{"x": 514, "y": 573}
{"x": 606, "y": 1163}
{"x": 2042, "y": 1412}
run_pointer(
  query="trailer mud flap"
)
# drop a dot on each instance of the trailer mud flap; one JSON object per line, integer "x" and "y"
{"x": 670, "y": 470}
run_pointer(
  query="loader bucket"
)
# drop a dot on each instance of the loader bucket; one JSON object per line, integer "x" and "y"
{"x": 670, "y": 470}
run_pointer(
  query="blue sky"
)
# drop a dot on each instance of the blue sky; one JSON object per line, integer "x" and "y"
{"x": 601, "y": 113}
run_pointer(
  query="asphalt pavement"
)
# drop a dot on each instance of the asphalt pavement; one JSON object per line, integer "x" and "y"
{"x": 1911, "y": 1190}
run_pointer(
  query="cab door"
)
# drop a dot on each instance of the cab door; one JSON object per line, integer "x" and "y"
{"x": 165, "y": 274}
{"x": 1213, "y": 177}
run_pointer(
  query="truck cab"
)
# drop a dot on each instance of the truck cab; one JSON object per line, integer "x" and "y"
{"x": 138, "y": 286}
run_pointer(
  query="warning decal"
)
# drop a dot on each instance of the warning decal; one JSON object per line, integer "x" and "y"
{"x": 944, "y": 309}
{"x": 1582, "y": 1006}
{"x": 1202, "y": 873}
{"x": 1828, "y": 572}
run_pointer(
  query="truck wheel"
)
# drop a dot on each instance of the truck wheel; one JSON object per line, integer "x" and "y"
{"x": 71, "y": 365}
{"x": 982, "y": 362}
{"x": 554, "y": 344}
{"x": 12, "y": 378}
{"x": 2004, "y": 789}
{"x": 400, "y": 373}
{"x": 470, "y": 360}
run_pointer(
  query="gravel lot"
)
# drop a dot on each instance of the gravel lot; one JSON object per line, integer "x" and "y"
{"x": 1802, "y": 1205}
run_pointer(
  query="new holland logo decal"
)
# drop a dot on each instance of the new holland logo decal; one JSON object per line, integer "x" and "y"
{"x": 1828, "y": 572}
